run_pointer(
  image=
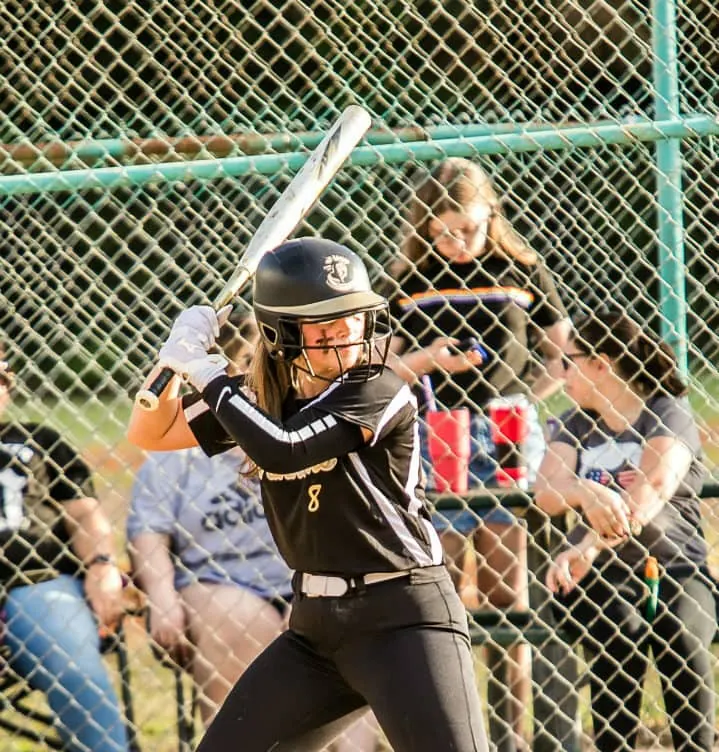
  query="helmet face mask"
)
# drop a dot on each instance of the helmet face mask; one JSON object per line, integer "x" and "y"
{"x": 317, "y": 281}
{"x": 283, "y": 341}
{"x": 286, "y": 342}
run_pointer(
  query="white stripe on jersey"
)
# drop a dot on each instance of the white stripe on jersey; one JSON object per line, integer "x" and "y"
{"x": 437, "y": 553}
{"x": 413, "y": 473}
{"x": 275, "y": 431}
{"x": 403, "y": 397}
{"x": 195, "y": 409}
{"x": 391, "y": 514}
{"x": 414, "y": 503}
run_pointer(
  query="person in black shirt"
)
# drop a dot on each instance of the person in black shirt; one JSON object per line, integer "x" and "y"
{"x": 465, "y": 273}
{"x": 333, "y": 434}
{"x": 628, "y": 458}
{"x": 58, "y": 579}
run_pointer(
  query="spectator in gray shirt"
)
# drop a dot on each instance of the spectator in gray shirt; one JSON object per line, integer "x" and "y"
{"x": 202, "y": 552}
{"x": 629, "y": 461}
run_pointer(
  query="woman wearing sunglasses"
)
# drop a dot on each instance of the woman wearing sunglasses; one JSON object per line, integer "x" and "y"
{"x": 628, "y": 459}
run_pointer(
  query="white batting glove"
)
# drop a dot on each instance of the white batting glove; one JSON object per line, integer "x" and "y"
{"x": 192, "y": 335}
{"x": 198, "y": 327}
{"x": 191, "y": 364}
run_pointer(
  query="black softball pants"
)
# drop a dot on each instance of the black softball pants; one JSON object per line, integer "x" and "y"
{"x": 401, "y": 647}
{"x": 606, "y": 614}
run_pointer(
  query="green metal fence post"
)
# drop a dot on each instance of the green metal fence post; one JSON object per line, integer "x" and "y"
{"x": 670, "y": 225}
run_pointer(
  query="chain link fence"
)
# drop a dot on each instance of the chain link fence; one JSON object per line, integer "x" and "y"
{"x": 142, "y": 143}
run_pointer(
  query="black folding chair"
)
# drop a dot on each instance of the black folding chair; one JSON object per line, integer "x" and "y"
{"x": 186, "y": 712}
{"x": 186, "y": 707}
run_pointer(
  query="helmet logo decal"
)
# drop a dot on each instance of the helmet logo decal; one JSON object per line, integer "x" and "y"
{"x": 339, "y": 272}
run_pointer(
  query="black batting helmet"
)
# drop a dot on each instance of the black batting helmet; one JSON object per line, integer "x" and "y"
{"x": 312, "y": 280}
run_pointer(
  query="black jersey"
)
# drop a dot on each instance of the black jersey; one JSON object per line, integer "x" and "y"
{"x": 335, "y": 504}
{"x": 498, "y": 301}
{"x": 38, "y": 473}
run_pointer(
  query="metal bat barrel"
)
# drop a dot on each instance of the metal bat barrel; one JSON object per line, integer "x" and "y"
{"x": 287, "y": 212}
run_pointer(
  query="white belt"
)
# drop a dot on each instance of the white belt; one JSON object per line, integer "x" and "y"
{"x": 319, "y": 586}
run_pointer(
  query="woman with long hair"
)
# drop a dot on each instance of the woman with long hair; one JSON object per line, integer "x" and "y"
{"x": 466, "y": 275}
{"x": 628, "y": 459}
{"x": 333, "y": 435}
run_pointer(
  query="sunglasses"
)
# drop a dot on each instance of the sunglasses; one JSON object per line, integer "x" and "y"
{"x": 568, "y": 359}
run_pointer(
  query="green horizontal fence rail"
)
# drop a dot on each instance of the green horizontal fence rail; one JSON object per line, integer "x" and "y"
{"x": 670, "y": 127}
{"x": 463, "y": 145}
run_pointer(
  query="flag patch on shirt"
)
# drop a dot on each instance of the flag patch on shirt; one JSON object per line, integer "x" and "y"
{"x": 599, "y": 476}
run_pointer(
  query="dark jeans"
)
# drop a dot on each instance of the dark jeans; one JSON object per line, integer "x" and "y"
{"x": 401, "y": 647}
{"x": 606, "y": 613}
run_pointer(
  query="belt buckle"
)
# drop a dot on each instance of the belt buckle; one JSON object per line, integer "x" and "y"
{"x": 318, "y": 586}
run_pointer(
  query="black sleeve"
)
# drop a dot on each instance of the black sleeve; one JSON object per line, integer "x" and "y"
{"x": 547, "y": 308}
{"x": 69, "y": 476}
{"x": 209, "y": 432}
{"x": 308, "y": 438}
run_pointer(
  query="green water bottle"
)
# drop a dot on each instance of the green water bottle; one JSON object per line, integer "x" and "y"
{"x": 651, "y": 578}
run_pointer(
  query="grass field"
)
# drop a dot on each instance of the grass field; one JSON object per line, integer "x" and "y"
{"x": 98, "y": 430}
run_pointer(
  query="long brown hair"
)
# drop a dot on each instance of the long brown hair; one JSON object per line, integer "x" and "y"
{"x": 457, "y": 184}
{"x": 269, "y": 380}
{"x": 238, "y": 338}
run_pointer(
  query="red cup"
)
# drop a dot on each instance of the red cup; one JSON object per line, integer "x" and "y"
{"x": 508, "y": 419}
{"x": 449, "y": 448}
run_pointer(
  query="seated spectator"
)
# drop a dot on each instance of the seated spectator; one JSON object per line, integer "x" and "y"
{"x": 628, "y": 459}
{"x": 60, "y": 583}
{"x": 218, "y": 590}
{"x": 202, "y": 552}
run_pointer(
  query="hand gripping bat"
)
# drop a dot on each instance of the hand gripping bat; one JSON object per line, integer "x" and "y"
{"x": 293, "y": 204}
